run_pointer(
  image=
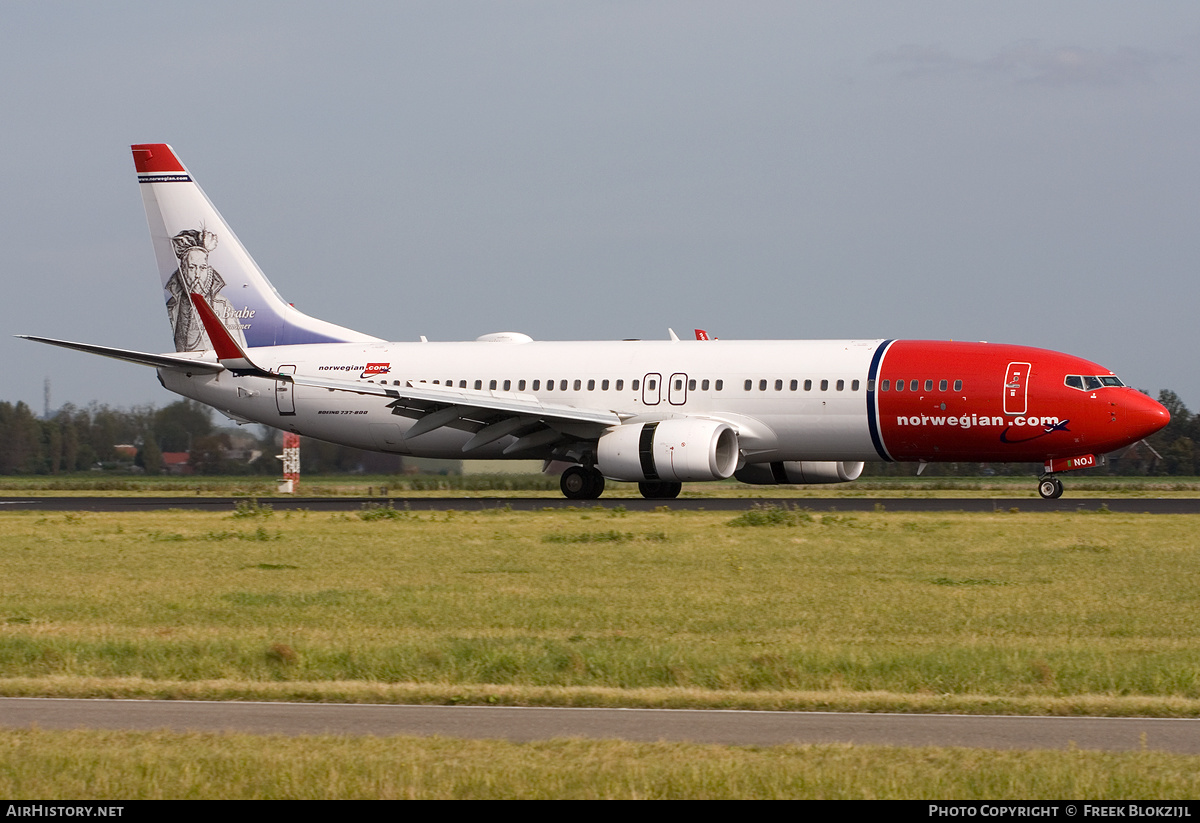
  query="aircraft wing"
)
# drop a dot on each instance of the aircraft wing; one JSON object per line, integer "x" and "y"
{"x": 160, "y": 361}
{"x": 489, "y": 415}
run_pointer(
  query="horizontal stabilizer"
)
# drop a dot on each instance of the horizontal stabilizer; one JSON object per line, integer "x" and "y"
{"x": 158, "y": 361}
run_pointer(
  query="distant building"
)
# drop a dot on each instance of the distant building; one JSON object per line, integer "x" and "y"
{"x": 177, "y": 462}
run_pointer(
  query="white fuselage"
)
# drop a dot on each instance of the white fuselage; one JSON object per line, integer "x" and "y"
{"x": 806, "y": 399}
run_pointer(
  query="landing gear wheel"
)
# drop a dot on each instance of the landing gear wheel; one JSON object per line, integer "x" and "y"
{"x": 660, "y": 490}
{"x": 1050, "y": 488}
{"x": 581, "y": 483}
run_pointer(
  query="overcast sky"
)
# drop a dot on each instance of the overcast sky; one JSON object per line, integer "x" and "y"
{"x": 1012, "y": 172}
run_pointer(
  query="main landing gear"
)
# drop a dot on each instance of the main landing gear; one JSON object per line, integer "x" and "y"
{"x": 586, "y": 483}
{"x": 581, "y": 483}
{"x": 1050, "y": 487}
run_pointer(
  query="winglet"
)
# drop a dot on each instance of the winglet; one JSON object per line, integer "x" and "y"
{"x": 231, "y": 355}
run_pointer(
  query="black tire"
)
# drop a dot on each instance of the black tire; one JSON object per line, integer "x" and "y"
{"x": 580, "y": 483}
{"x": 576, "y": 483}
{"x": 1058, "y": 489}
{"x": 658, "y": 490}
{"x": 1049, "y": 488}
{"x": 649, "y": 490}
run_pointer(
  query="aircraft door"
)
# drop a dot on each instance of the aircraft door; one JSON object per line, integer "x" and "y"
{"x": 285, "y": 400}
{"x": 652, "y": 389}
{"x": 1016, "y": 388}
{"x": 677, "y": 389}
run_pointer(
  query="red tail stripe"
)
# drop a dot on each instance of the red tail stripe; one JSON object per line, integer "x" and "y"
{"x": 155, "y": 157}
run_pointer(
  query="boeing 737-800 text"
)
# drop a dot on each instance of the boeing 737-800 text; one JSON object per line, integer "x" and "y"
{"x": 657, "y": 413}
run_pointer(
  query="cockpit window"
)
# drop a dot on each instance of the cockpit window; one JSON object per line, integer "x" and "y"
{"x": 1087, "y": 382}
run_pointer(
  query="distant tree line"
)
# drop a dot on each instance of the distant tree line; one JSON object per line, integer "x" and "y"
{"x": 79, "y": 439}
{"x": 76, "y": 439}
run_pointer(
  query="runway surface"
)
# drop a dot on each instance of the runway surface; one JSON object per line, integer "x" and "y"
{"x": 743, "y": 728}
{"x": 1165, "y": 505}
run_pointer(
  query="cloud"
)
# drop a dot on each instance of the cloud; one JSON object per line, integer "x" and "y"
{"x": 1031, "y": 62}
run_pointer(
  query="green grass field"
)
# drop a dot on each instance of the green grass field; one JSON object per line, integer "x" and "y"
{"x": 1047, "y": 613}
{"x": 998, "y": 607}
{"x": 1083, "y": 484}
{"x": 156, "y": 765}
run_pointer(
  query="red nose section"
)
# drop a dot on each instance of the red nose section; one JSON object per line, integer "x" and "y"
{"x": 1144, "y": 415}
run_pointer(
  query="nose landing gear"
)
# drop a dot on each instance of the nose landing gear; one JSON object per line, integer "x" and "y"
{"x": 1050, "y": 487}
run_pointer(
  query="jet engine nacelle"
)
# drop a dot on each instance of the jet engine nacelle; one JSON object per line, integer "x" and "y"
{"x": 668, "y": 450}
{"x": 799, "y": 471}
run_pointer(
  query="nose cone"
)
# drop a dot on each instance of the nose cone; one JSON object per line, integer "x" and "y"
{"x": 1144, "y": 415}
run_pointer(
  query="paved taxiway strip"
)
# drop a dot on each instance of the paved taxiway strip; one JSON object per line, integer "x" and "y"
{"x": 1132, "y": 505}
{"x": 745, "y": 728}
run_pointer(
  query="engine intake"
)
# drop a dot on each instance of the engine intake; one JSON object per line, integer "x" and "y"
{"x": 799, "y": 471}
{"x": 668, "y": 450}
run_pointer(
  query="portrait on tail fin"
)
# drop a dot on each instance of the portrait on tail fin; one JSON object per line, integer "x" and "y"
{"x": 195, "y": 275}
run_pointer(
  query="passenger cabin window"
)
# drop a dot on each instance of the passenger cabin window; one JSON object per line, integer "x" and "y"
{"x": 958, "y": 385}
{"x": 928, "y": 385}
{"x": 703, "y": 385}
{"x": 633, "y": 384}
{"x": 520, "y": 385}
{"x": 899, "y": 385}
{"x": 824, "y": 385}
{"x": 778, "y": 385}
{"x": 479, "y": 385}
{"x": 720, "y": 384}
{"x": 841, "y": 385}
{"x": 885, "y": 385}
{"x": 537, "y": 384}
{"x": 578, "y": 384}
{"x": 749, "y": 385}
{"x": 808, "y": 385}
{"x": 603, "y": 385}
{"x": 854, "y": 385}
{"x": 762, "y": 385}
{"x": 621, "y": 384}
{"x": 591, "y": 385}
{"x": 942, "y": 385}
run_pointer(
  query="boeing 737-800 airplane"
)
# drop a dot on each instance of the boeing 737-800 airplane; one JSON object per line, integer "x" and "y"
{"x": 657, "y": 413}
